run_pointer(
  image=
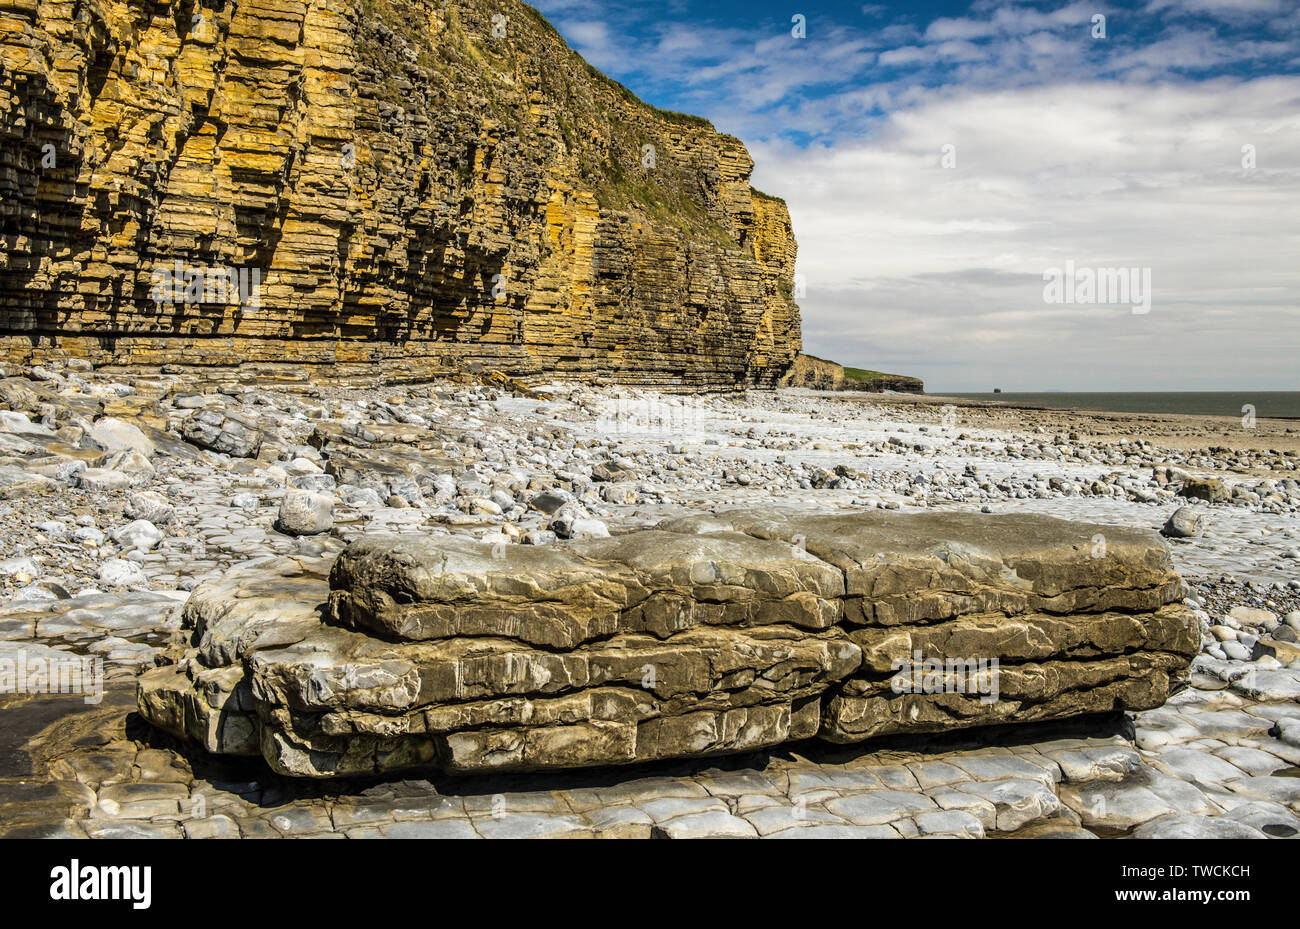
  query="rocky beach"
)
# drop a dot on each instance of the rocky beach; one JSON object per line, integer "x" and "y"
{"x": 125, "y": 495}
{"x": 407, "y": 431}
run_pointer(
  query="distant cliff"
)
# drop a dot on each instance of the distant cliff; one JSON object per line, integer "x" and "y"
{"x": 820, "y": 374}
{"x": 405, "y": 186}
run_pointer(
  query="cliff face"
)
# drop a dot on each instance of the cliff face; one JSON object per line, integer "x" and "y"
{"x": 819, "y": 374}
{"x": 814, "y": 373}
{"x": 400, "y": 186}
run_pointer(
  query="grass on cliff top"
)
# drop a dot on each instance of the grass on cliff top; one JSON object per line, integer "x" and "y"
{"x": 862, "y": 374}
{"x": 688, "y": 119}
{"x": 773, "y": 197}
{"x": 407, "y": 23}
{"x": 455, "y": 55}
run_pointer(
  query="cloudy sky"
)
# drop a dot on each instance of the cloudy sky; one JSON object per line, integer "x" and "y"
{"x": 939, "y": 158}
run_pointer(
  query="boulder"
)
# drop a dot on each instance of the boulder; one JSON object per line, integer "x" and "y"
{"x": 21, "y": 424}
{"x": 1253, "y": 616}
{"x": 611, "y": 471}
{"x": 103, "y": 479}
{"x": 703, "y": 636}
{"x": 114, "y": 435}
{"x": 17, "y": 396}
{"x": 118, "y": 572}
{"x": 17, "y": 483}
{"x": 1211, "y": 489}
{"x": 573, "y": 522}
{"x": 587, "y": 529}
{"x": 130, "y": 462}
{"x": 303, "y": 512}
{"x": 549, "y": 502}
{"x": 150, "y": 505}
{"x": 18, "y": 567}
{"x": 1184, "y": 523}
{"x": 223, "y": 432}
{"x": 140, "y": 534}
{"x": 623, "y": 493}
{"x": 319, "y": 483}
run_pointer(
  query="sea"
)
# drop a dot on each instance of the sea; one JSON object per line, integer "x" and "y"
{"x": 1270, "y": 404}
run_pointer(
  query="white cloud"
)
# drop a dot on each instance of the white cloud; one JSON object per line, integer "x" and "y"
{"x": 1223, "y": 8}
{"x": 938, "y": 272}
{"x": 1111, "y": 153}
{"x": 592, "y": 39}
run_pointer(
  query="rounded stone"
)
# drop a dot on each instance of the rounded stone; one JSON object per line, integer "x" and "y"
{"x": 1236, "y": 651}
{"x": 150, "y": 505}
{"x": 1184, "y": 523}
{"x": 138, "y": 534}
{"x": 305, "y": 513}
{"x": 118, "y": 572}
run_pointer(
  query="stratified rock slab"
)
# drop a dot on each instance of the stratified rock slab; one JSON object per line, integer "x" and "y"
{"x": 704, "y": 636}
{"x": 1081, "y": 618}
{"x": 652, "y": 582}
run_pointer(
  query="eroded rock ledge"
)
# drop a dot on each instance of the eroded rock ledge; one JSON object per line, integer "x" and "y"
{"x": 706, "y": 635}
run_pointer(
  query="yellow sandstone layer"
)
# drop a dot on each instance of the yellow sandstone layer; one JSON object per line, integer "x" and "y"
{"x": 409, "y": 188}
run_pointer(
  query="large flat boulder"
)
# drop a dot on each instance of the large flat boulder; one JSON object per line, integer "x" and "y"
{"x": 704, "y": 636}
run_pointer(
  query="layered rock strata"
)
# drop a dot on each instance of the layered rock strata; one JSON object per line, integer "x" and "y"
{"x": 819, "y": 374}
{"x": 705, "y": 636}
{"x": 385, "y": 189}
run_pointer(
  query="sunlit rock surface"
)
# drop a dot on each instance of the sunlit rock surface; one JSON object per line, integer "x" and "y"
{"x": 708, "y": 635}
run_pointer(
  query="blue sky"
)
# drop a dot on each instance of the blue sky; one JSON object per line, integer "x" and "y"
{"x": 939, "y": 158}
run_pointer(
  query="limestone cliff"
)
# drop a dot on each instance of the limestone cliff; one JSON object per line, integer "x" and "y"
{"x": 407, "y": 187}
{"x": 820, "y": 374}
{"x": 814, "y": 373}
